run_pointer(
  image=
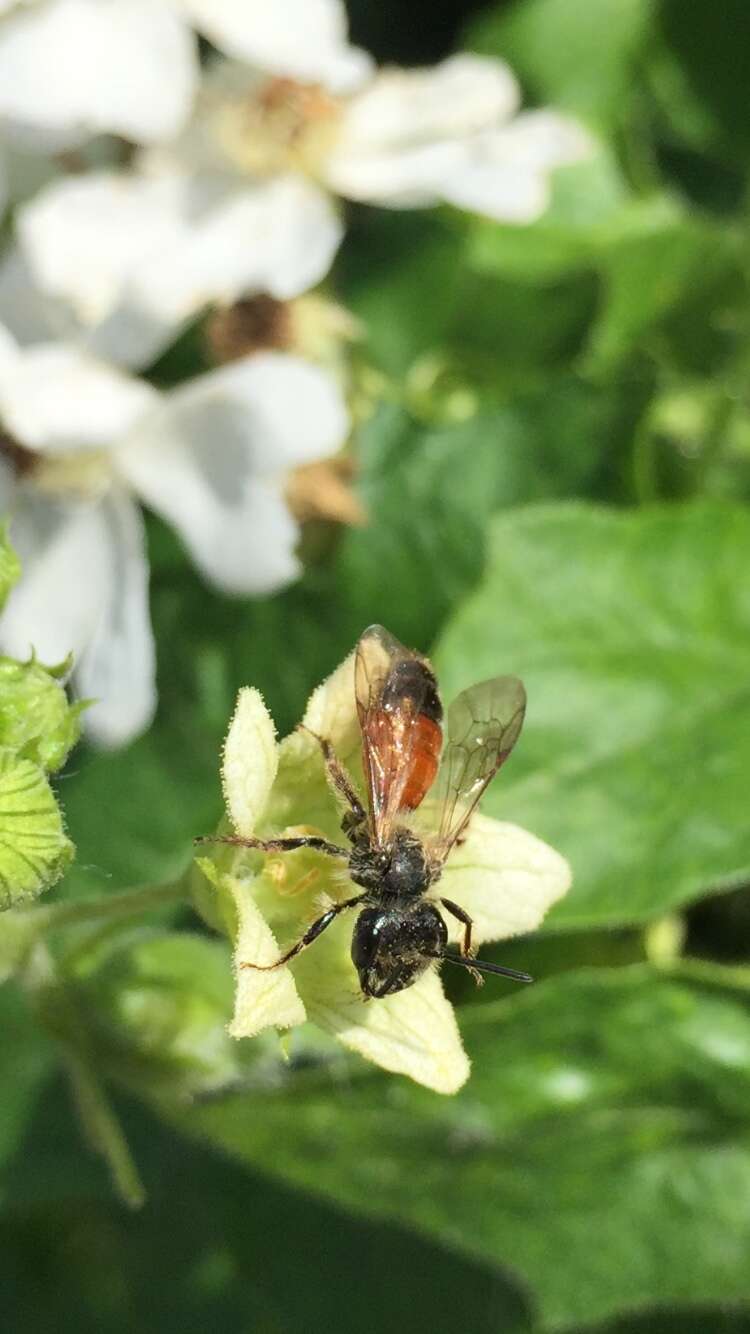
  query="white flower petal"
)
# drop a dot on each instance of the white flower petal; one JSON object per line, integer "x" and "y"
{"x": 73, "y": 68}
{"x": 399, "y": 138}
{"x": 211, "y": 461}
{"x": 95, "y": 254}
{"x": 250, "y": 761}
{"x": 262, "y": 999}
{"x": 505, "y": 172}
{"x": 84, "y": 237}
{"x": 63, "y": 548}
{"x": 30, "y": 315}
{"x": 131, "y": 258}
{"x": 9, "y": 355}
{"x": 538, "y": 141}
{"x": 505, "y": 878}
{"x": 3, "y": 182}
{"x": 411, "y": 177}
{"x": 506, "y": 194}
{"x": 302, "y": 39}
{"x": 458, "y": 97}
{"x": 413, "y": 1033}
{"x": 84, "y": 590}
{"x": 278, "y": 238}
{"x": 59, "y": 399}
{"x": 118, "y": 666}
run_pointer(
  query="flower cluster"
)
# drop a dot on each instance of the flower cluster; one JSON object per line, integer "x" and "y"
{"x": 150, "y": 188}
{"x": 505, "y": 878}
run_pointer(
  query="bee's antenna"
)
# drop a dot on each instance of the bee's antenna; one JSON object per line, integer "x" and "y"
{"x": 483, "y": 966}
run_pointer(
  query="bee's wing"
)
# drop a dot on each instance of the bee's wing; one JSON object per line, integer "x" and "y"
{"x": 483, "y": 726}
{"x": 389, "y": 722}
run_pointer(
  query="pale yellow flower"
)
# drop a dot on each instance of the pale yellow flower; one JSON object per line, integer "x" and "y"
{"x": 504, "y": 877}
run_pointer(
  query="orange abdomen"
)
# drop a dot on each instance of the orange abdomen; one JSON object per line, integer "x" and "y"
{"x": 423, "y": 764}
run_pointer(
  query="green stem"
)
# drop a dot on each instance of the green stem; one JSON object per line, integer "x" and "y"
{"x": 129, "y": 903}
{"x": 103, "y": 1130}
{"x": 57, "y": 1010}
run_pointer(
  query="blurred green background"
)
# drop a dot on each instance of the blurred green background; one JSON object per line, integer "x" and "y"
{"x": 556, "y": 483}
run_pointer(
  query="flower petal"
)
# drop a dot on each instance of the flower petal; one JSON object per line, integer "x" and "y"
{"x": 250, "y": 761}
{"x": 413, "y": 1033}
{"x": 74, "y": 68}
{"x": 118, "y": 666}
{"x": 505, "y": 172}
{"x": 83, "y": 590}
{"x": 539, "y": 141}
{"x": 30, "y": 314}
{"x": 279, "y": 238}
{"x": 84, "y": 238}
{"x": 59, "y": 398}
{"x": 505, "y": 878}
{"x": 262, "y": 999}
{"x": 302, "y": 39}
{"x": 63, "y": 550}
{"x": 332, "y": 713}
{"x": 9, "y": 354}
{"x": 400, "y": 137}
{"x": 134, "y": 257}
{"x": 210, "y": 460}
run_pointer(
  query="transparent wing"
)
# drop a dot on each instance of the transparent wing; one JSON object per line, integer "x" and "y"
{"x": 484, "y": 723}
{"x": 392, "y": 685}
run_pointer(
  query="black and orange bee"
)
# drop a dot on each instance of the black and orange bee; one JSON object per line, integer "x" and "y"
{"x": 400, "y": 932}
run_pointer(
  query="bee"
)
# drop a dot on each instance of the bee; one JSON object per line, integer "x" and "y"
{"x": 394, "y": 858}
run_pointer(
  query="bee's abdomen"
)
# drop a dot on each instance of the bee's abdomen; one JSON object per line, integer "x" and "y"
{"x": 423, "y": 762}
{"x": 404, "y": 732}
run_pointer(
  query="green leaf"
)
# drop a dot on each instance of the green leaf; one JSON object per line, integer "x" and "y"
{"x": 400, "y": 275}
{"x": 34, "y": 849}
{"x": 415, "y": 288}
{"x": 656, "y": 263}
{"x": 632, "y": 634}
{"x": 218, "y": 1247}
{"x": 159, "y": 1007}
{"x": 36, "y": 721}
{"x": 10, "y": 568}
{"x": 711, "y": 46}
{"x": 601, "y": 1140}
{"x": 580, "y": 57}
{"x": 430, "y": 493}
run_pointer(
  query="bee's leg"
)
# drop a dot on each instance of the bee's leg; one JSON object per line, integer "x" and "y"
{"x": 277, "y": 844}
{"x": 313, "y": 931}
{"x": 462, "y": 916}
{"x": 339, "y": 777}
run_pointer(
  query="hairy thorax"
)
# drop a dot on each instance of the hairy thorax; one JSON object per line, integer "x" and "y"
{"x": 399, "y": 871}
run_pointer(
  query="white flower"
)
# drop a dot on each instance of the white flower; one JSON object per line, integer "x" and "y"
{"x": 406, "y": 139}
{"x": 505, "y": 878}
{"x": 121, "y": 261}
{"x": 81, "y": 442}
{"x": 299, "y": 39}
{"x": 70, "y": 69}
